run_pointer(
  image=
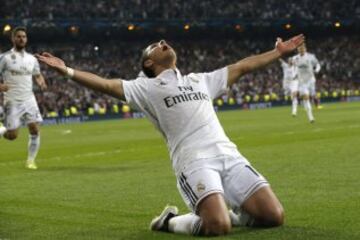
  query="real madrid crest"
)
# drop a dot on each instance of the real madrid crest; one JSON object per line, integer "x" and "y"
{"x": 200, "y": 187}
{"x": 13, "y": 56}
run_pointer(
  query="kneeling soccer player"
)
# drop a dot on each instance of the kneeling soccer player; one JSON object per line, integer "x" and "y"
{"x": 210, "y": 171}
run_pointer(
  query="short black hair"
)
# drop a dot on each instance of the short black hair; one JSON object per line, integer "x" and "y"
{"x": 146, "y": 70}
{"x": 18, "y": 29}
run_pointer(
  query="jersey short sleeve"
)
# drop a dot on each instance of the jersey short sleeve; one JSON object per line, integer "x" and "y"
{"x": 216, "y": 81}
{"x": 2, "y": 63}
{"x": 136, "y": 93}
{"x": 36, "y": 70}
{"x": 316, "y": 63}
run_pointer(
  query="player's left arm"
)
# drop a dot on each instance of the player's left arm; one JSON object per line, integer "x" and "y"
{"x": 38, "y": 77}
{"x": 40, "y": 81}
{"x": 249, "y": 64}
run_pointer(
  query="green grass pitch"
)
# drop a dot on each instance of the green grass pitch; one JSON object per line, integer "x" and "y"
{"x": 107, "y": 180}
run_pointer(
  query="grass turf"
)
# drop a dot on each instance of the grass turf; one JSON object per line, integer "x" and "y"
{"x": 107, "y": 180}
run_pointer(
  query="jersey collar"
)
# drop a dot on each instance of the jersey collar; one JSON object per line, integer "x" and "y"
{"x": 22, "y": 52}
{"x": 170, "y": 73}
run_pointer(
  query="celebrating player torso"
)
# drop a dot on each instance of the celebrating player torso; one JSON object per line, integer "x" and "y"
{"x": 181, "y": 108}
{"x": 17, "y": 69}
{"x": 305, "y": 66}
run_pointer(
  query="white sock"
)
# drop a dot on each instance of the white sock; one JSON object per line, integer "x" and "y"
{"x": 33, "y": 147}
{"x": 2, "y": 130}
{"x": 241, "y": 219}
{"x": 189, "y": 224}
{"x": 308, "y": 109}
{"x": 294, "y": 105}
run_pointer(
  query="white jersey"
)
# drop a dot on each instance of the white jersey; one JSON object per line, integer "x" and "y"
{"x": 17, "y": 70}
{"x": 288, "y": 71}
{"x": 181, "y": 108}
{"x": 306, "y": 65}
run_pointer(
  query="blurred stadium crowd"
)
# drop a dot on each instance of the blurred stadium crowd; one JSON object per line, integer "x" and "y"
{"x": 340, "y": 69}
{"x": 114, "y": 58}
{"x": 178, "y": 9}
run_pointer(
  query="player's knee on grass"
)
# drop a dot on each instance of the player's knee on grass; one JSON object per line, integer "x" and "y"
{"x": 265, "y": 208}
{"x": 214, "y": 215}
{"x": 10, "y": 135}
{"x": 216, "y": 226}
{"x": 33, "y": 129}
{"x": 34, "y": 132}
{"x": 274, "y": 217}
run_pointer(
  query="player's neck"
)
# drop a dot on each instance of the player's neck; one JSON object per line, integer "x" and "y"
{"x": 17, "y": 49}
{"x": 160, "y": 69}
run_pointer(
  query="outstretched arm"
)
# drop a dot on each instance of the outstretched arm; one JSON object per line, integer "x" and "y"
{"x": 89, "y": 80}
{"x": 252, "y": 63}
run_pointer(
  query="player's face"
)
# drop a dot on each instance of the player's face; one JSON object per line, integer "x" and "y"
{"x": 161, "y": 53}
{"x": 19, "y": 40}
{"x": 302, "y": 49}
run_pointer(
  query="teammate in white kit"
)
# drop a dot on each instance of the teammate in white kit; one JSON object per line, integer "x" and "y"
{"x": 306, "y": 64}
{"x": 210, "y": 171}
{"x": 17, "y": 70}
{"x": 290, "y": 83}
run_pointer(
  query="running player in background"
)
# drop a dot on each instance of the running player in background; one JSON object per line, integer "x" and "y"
{"x": 3, "y": 88}
{"x": 209, "y": 168}
{"x": 290, "y": 83}
{"x": 306, "y": 66}
{"x": 17, "y": 69}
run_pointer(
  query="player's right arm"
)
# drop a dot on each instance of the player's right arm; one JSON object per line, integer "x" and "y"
{"x": 89, "y": 80}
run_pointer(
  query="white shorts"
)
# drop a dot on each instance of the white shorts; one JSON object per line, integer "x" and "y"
{"x": 233, "y": 177}
{"x": 294, "y": 86}
{"x": 286, "y": 87}
{"x": 312, "y": 89}
{"x": 304, "y": 88}
{"x": 290, "y": 87}
{"x": 15, "y": 113}
{"x": 307, "y": 87}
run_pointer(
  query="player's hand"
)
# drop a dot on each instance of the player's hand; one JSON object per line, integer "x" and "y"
{"x": 289, "y": 45}
{"x": 3, "y": 87}
{"x": 52, "y": 61}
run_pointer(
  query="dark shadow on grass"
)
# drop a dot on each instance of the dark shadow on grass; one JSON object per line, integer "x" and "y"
{"x": 290, "y": 232}
{"x": 284, "y": 232}
{"x": 88, "y": 169}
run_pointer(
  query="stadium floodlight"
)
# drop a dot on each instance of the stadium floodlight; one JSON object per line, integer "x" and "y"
{"x": 131, "y": 27}
{"x": 337, "y": 24}
{"x": 186, "y": 27}
{"x": 7, "y": 28}
{"x": 288, "y": 26}
{"x": 74, "y": 30}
